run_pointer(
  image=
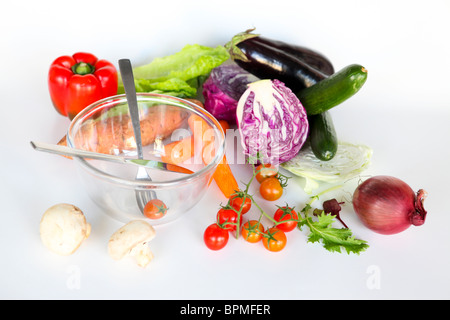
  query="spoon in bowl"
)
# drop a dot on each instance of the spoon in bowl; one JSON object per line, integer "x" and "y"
{"x": 126, "y": 71}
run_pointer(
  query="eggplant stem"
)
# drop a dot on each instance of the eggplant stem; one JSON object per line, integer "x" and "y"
{"x": 232, "y": 45}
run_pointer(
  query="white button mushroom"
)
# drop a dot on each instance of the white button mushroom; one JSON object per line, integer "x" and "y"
{"x": 131, "y": 240}
{"x": 63, "y": 228}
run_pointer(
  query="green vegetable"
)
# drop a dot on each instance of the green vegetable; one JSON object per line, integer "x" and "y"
{"x": 322, "y": 135}
{"x": 333, "y": 90}
{"x": 333, "y": 239}
{"x": 174, "y": 87}
{"x": 350, "y": 160}
{"x": 180, "y": 74}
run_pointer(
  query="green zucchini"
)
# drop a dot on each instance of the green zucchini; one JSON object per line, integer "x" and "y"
{"x": 333, "y": 90}
{"x": 322, "y": 135}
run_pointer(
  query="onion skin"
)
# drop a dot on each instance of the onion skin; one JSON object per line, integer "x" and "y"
{"x": 387, "y": 205}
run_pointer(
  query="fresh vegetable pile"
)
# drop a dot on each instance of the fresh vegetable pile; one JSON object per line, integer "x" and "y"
{"x": 284, "y": 119}
{"x": 278, "y": 96}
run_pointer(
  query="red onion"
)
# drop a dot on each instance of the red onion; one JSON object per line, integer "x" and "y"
{"x": 388, "y": 205}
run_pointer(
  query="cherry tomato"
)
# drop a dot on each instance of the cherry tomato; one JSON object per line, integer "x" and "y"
{"x": 155, "y": 209}
{"x": 274, "y": 239}
{"x": 227, "y": 218}
{"x": 265, "y": 171}
{"x": 237, "y": 201}
{"x": 271, "y": 189}
{"x": 286, "y": 213}
{"x": 252, "y": 231}
{"x": 215, "y": 237}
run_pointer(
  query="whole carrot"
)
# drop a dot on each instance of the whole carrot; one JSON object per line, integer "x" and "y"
{"x": 223, "y": 176}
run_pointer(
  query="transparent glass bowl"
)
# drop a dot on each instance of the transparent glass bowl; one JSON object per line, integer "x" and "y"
{"x": 105, "y": 127}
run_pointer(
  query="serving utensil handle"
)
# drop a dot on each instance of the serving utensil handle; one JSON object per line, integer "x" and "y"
{"x": 67, "y": 151}
{"x": 126, "y": 72}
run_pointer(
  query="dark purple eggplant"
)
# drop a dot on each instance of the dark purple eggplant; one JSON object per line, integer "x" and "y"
{"x": 311, "y": 57}
{"x": 266, "y": 60}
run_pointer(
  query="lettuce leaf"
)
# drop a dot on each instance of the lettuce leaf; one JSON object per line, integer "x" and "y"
{"x": 172, "y": 87}
{"x": 332, "y": 239}
{"x": 180, "y": 74}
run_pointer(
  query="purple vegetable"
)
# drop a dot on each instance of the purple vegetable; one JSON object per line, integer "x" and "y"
{"x": 223, "y": 89}
{"x": 272, "y": 122}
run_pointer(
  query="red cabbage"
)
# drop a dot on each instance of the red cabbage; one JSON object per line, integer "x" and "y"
{"x": 272, "y": 122}
{"x": 223, "y": 88}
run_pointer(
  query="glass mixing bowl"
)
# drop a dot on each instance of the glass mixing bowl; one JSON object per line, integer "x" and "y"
{"x": 105, "y": 127}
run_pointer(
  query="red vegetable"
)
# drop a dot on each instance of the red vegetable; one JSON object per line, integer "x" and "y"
{"x": 286, "y": 213}
{"x": 271, "y": 189}
{"x": 215, "y": 237}
{"x": 264, "y": 171}
{"x": 333, "y": 207}
{"x": 155, "y": 209}
{"x": 274, "y": 239}
{"x": 387, "y": 205}
{"x": 237, "y": 202}
{"x": 252, "y": 231}
{"x": 77, "y": 81}
{"x": 228, "y": 218}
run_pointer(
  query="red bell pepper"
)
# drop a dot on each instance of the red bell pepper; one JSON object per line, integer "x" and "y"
{"x": 77, "y": 81}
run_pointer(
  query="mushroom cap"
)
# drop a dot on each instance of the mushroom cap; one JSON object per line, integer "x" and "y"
{"x": 129, "y": 236}
{"x": 63, "y": 228}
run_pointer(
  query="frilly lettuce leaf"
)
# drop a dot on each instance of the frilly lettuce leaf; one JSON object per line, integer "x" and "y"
{"x": 333, "y": 239}
{"x": 349, "y": 161}
{"x": 179, "y": 74}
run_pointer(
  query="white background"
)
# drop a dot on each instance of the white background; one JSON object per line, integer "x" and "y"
{"x": 402, "y": 112}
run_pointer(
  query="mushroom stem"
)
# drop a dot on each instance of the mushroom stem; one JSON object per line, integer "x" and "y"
{"x": 142, "y": 254}
{"x": 131, "y": 240}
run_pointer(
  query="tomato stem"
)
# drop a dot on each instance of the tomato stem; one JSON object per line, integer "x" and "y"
{"x": 245, "y": 194}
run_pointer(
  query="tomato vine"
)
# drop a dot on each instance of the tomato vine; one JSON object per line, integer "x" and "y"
{"x": 274, "y": 238}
